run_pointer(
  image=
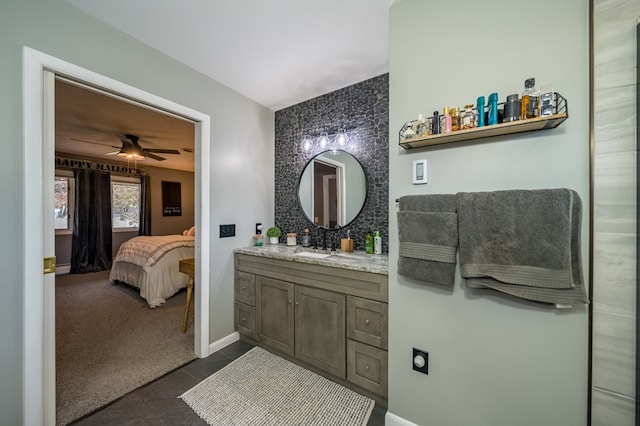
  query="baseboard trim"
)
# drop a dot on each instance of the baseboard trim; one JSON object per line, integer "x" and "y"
{"x": 225, "y": 341}
{"x": 393, "y": 420}
{"x": 63, "y": 269}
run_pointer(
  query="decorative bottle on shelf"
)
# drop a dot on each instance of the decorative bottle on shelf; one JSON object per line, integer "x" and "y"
{"x": 423, "y": 127}
{"x": 468, "y": 119}
{"x": 493, "y": 109}
{"x": 445, "y": 124}
{"x": 455, "y": 119}
{"x": 480, "y": 106}
{"x": 530, "y": 100}
{"x": 435, "y": 123}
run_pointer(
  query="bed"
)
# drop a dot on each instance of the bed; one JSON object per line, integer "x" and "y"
{"x": 150, "y": 263}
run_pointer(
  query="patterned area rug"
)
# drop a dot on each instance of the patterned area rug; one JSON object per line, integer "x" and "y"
{"x": 260, "y": 388}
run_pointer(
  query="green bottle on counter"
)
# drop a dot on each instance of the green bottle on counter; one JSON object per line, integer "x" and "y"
{"x": 369, "y": 243}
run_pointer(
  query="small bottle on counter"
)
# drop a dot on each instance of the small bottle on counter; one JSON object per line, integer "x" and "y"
{"x": 468, "y": 119}
{"x": 368, "y": 246}
{"x": 377, "y": 243}
{"x": 446, "y": 121}
{"x": 306, "y": 238}
{"x": 291, "y": 239}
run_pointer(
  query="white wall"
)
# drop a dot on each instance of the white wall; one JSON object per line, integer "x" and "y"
{"x": 494, "y": 360}
{"x": 241, "y": 136}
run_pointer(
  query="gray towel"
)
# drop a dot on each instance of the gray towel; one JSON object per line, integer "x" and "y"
{"x": 523, "y": 242}
{"x": 428, "y": 203}
{"x": 428, "y": 240}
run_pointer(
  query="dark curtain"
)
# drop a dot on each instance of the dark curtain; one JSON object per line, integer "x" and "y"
{"x": 91, "y": 245}
{"x": 145, "y": 206}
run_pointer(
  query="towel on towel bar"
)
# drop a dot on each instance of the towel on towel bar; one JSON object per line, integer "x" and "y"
{"x": 428, "y": 238}
{"x": 523, "y": 242}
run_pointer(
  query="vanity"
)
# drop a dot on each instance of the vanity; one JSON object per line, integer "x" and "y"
{"x": 327, "y": 311}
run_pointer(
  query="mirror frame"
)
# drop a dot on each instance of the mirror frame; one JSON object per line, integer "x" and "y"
{"x": 366, "y": 192}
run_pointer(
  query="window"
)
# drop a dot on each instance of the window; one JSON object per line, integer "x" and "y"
{"x": 125, "y": 203}
{"x": 63, "y": 201}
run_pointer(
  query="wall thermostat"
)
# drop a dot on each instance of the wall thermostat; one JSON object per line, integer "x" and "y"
{"x": 419, "y": 172}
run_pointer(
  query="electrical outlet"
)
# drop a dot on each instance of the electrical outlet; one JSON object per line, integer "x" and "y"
{"x": 420, "y": 361}
{"x": 227, "y": 231}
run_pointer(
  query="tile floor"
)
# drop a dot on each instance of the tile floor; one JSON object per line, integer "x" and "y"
{"x": 157, "y": 403}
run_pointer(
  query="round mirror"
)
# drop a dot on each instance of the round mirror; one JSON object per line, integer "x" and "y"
{"x": 332, "y": 189}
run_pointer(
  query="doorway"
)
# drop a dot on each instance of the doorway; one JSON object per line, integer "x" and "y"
{"x": 328, "y": 193}
{"x": 39, "y": 71}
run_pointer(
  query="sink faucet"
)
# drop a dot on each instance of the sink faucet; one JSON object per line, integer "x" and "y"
{"x": 322, "y": 231}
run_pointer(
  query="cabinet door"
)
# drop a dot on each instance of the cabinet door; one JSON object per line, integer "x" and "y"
{"x": 320, "y": 329}
{"x": 274, "y": 312}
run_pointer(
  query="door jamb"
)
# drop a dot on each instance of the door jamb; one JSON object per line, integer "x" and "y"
{"x": 34, "y": 64}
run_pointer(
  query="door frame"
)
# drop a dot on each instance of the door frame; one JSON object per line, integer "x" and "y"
{"x": 37, "y": 367}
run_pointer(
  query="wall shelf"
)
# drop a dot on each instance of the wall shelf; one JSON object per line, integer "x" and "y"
{"x": 561, "y": 113}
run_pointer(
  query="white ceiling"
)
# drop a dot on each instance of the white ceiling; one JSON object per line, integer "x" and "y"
{"x": 276, "y": 52}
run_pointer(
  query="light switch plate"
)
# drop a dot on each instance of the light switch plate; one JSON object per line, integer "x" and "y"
{"x": 419, "y": 172}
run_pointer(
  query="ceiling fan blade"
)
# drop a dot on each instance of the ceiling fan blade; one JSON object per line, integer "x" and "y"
{"x": 155, "y": 157}
{"x": 161, "y": 151}
{"x": 93, "y": 142}
{"x": 113, "y": 153}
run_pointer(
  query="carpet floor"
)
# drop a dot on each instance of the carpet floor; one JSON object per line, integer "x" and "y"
{"x": 261, "y": 388}
{"x": 109, "y": 342}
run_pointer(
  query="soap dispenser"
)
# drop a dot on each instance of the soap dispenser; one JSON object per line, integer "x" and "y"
{"x": 369, "y": 243}
{"x": 377, "y": 243}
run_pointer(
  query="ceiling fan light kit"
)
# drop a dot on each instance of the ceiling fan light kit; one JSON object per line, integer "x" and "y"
{"x": 132, "y": 150}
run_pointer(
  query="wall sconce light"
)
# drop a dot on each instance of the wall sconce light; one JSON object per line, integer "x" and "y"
{"x": 327, "y": 142}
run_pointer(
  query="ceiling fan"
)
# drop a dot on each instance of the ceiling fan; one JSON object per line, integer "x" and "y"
{"x": 131, "y": 149}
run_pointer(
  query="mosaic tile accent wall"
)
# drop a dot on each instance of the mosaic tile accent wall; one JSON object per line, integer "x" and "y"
{"x": 363, "y": 110}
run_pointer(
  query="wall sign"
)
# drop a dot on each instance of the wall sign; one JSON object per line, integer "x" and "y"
{"x": 171, "y": 199}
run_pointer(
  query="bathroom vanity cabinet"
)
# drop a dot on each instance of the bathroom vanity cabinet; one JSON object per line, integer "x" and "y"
{"x": 319, "y": 314}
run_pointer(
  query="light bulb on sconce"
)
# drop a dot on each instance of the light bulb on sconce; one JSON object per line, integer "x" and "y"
{"x": 307, "y": 144}
{"x": 341, "y": 139}
{"x": 323, "y": 141}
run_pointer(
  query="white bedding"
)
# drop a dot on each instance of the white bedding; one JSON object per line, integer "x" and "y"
{"x": 155, "y": 272}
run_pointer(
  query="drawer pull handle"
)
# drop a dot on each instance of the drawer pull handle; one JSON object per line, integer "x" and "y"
{"x": 244, "y": 287}
{"x": 366, "y": 322}
{"x": 244, "y": 320}
{"x": 290, "y": 301}
{"x": 366, "y": 368}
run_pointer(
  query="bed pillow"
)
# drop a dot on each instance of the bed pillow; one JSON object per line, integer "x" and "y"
{"x": 192, "y": 231}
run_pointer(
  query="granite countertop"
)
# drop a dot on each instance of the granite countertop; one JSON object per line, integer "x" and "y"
{"x": 357, "y": 260}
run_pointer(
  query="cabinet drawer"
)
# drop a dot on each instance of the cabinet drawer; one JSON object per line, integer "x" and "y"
{"x": 367, "y": 367}
{"x": 245, "y": 288}
{"x": 367, "y": 321}
{"x": 245, "y": 319}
